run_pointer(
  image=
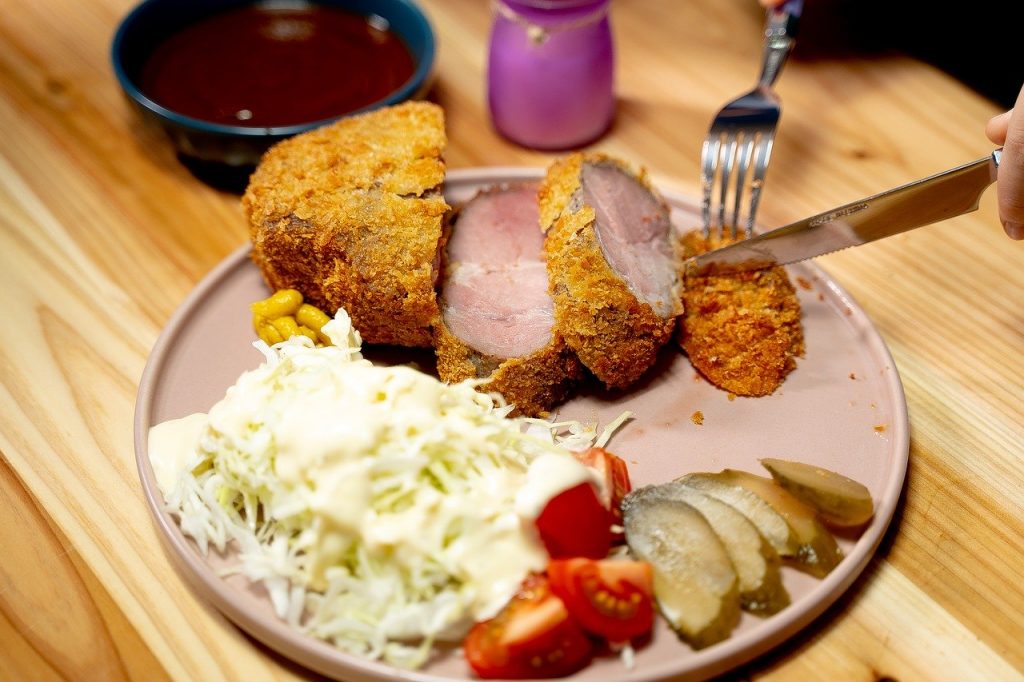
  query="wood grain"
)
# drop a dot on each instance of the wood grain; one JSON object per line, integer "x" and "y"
{"x": 102, "y": 233}
{"x": 65, "y": 598}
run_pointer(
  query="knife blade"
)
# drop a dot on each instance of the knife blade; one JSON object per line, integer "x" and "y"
{"x": 926, "y": 201}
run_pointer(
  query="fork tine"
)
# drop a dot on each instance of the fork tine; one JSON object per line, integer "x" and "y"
{"x": 727, "y": 163}
{"x": 762, "y": 153}
{"x": 743, "y": 167}
{"x": 743, "y": 131}
{"x": 709, "y": 164}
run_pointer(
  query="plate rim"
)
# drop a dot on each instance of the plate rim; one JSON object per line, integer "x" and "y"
{"x": 322, "y": 657}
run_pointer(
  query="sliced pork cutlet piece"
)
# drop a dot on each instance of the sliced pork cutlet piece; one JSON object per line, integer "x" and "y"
{"x": 351, "y": 215}
{"x": 497, "y": 317}
{"x": 611, "y": 263}
{"x": 741, "y": 330}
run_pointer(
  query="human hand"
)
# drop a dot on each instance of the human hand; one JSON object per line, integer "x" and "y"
{"x": 1007, "y": 129}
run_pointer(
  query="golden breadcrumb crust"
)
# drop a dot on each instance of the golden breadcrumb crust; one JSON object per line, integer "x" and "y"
{"x": 351, "y": 215}
{"x": 616, "y": 335}
{"x": 534, "y": 383}
{"x": 741, "y": 330}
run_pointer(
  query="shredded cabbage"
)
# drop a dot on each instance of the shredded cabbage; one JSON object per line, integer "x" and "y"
{"x": 381, "y": 509}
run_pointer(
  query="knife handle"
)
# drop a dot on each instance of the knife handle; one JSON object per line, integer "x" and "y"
{"x": 938, "y": 197}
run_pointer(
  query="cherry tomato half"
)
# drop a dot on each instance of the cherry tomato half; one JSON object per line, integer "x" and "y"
{"x": 611, "y": 598}
{"x": 574, "y": 523}
{"x": 533, "y": 636}
{"x": 614, "y": 474}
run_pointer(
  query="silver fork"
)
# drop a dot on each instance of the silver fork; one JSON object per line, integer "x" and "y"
{"x": 744, "y": 130}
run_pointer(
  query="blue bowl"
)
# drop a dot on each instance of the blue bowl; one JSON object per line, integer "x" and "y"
{"x": 204, "y": 142}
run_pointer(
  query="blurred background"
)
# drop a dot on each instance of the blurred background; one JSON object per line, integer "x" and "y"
{"x": 973, "y": 42}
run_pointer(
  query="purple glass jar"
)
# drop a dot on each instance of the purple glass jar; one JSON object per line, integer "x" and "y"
{"x": 550, "y": 71}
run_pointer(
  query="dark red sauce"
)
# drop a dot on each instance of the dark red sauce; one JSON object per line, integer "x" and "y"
{"x": 261, "y": 67}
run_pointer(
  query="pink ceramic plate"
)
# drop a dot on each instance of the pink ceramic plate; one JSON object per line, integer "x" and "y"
{"x": 843, "y": 408}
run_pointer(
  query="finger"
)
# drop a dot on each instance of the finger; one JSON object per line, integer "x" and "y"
{"x": 997, "y": 125}
{"x": 1011, "y": 173}
{"x": 771, "y": 3}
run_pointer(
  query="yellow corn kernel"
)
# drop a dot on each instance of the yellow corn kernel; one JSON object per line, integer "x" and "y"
{"x": 283, "y": 302}
{"x": 286, "y": 326}
{"x": 312, "y": 317}
{"x": 308, "y": 333}
{"x": 258, "y": 321}
{"x": 269, "y": 335}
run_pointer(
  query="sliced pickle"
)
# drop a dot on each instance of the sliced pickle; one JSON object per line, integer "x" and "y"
{"x": 768, "y": 522}
{"x": 695, "y": 583}
{"x": 839, "y": 501}
{"x": 755, "y": 561}
{"x": 817, "y": 551}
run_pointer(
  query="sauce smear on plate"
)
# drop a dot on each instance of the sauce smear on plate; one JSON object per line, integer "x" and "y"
{"x": 259, "y": 66}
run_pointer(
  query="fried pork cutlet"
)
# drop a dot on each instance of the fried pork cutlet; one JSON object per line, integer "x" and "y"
{"x": 351, "y": 215}
{"x": 741, "y": 330}
{"x": 611, "y": 264}
{"x": 496, "y": 313}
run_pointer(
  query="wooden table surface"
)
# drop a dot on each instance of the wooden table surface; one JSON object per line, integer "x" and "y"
{"x": 103, "y": 233}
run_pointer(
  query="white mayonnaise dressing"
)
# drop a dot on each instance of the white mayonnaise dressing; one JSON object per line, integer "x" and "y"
{"x": 386, "y": 459}
{"x": 547, "y": 476}
{"x": 172, "y": 446}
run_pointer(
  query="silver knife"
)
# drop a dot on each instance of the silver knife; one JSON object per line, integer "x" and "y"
{"x": 941, "y": 196}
